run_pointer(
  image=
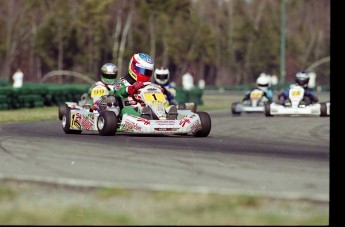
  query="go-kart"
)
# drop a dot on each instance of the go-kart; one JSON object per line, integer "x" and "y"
{"x": 86, "y": 99}
{"x": 255, "y": 103}
{"x": 297, "y": 104}
{"x": 77, "y": 118}
{"x": 154, "y": 119}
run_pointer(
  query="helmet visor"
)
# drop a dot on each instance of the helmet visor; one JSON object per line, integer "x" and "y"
{"x": 263, "y": 85}
{"x": 109, "y": 76}
{"x": 302, "y": 82}
{"x": 143, "y": 71}
{"x": 162, "y": 76}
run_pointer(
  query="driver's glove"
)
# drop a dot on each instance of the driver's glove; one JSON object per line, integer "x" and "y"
{"x": 135, "y": 87}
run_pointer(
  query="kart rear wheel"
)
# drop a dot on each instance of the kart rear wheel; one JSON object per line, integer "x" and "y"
{"x": 233, "y": 108}
{"x": 323, "y": 110}
{"x": 62, "y": 110}
{"x": 66, "y": 123}
{"x": 268, "y": 109}
{"x": 205, "y": 125}
{"x": 107, "y": 123}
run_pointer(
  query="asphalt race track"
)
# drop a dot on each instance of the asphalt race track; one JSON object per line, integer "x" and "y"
{"x": 274, "y": 156}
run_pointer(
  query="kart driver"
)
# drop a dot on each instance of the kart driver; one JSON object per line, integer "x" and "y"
{"x": 263, "y": 83}
{"x": 105, "y": 86}
{"x": 301, "y": 79}
{"x": 162, "y": 76}
{"x": 140, "y": 70}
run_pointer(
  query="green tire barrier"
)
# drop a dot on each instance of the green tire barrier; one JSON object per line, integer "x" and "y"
{"x": 182, "y": 96}
{"x": 39, "y": 95}
{"x": 193, "y": 95}
{"x": 33, "y": 95}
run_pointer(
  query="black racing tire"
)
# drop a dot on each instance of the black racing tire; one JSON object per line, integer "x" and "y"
{"x": 233, "y": 108}
{"x": 66, "y": 122}
{"x": 181, "y": 134}
{"x": 62, "y": 110}
{"x": 107, "y": 123}
{"x": 323, "y": 110}
{"x": 268, "y": 109}
{"x": 206, "y": 125}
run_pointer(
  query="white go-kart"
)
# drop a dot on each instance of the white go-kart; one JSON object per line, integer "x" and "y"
{"x": 296, "y": 105}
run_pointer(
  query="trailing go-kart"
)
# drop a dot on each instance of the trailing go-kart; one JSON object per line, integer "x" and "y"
{"x": 158, "y": 120}
{"x": 298, "y": 104}
{"x": 86, "y": 100}
{"x": 255, "y": 103}
{"x": 77, "y": 118}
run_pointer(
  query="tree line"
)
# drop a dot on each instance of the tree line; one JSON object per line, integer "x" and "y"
{"x": 224, "y": 42}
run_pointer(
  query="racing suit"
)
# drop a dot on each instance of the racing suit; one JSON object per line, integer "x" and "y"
{"x": 309, "y": 95}
{"x": 122, "y": 92}
{"x": 170, "y": 92}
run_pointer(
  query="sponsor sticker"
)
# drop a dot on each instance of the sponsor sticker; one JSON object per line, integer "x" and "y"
{"x": 130, "y": 126}
{"x": 184, "y": 121}
{"x": 196, "y": 126}
{"x": 87, "y": 123}
{"x": 146, "y": 122}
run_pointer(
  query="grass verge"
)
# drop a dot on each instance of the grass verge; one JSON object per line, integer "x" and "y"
{"x": 25, "y": 203}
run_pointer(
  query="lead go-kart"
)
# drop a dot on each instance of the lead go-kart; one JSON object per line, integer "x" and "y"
{"x": 297, "y": 105}
{"x": 107, "y": 121}
{"x": 255, "y": 103}
{"x": 85, "y": 103}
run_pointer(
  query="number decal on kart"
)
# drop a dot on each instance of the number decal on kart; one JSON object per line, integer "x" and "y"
{"x": 97, "y": 92}
{"x": 154, "y": 97}
{"x": 295, "y": 93}
{"x": 255, "y": 94}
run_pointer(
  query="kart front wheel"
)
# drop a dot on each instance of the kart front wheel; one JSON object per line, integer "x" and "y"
{"x": 323, "y": 110}
{"x": 107, "y": 123}
{"x": 268, "y": 109}
{"x": 205, "y": 125}
{"x": 62, "y": 110}
{"x": 66, "y": 123}
{"x": 234, "y": 108}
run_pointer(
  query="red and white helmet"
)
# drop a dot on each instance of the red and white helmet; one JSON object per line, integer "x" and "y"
{"x": 161, "y": 75}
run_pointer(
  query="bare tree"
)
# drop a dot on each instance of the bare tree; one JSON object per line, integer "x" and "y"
{"x": 124, "y": 39}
